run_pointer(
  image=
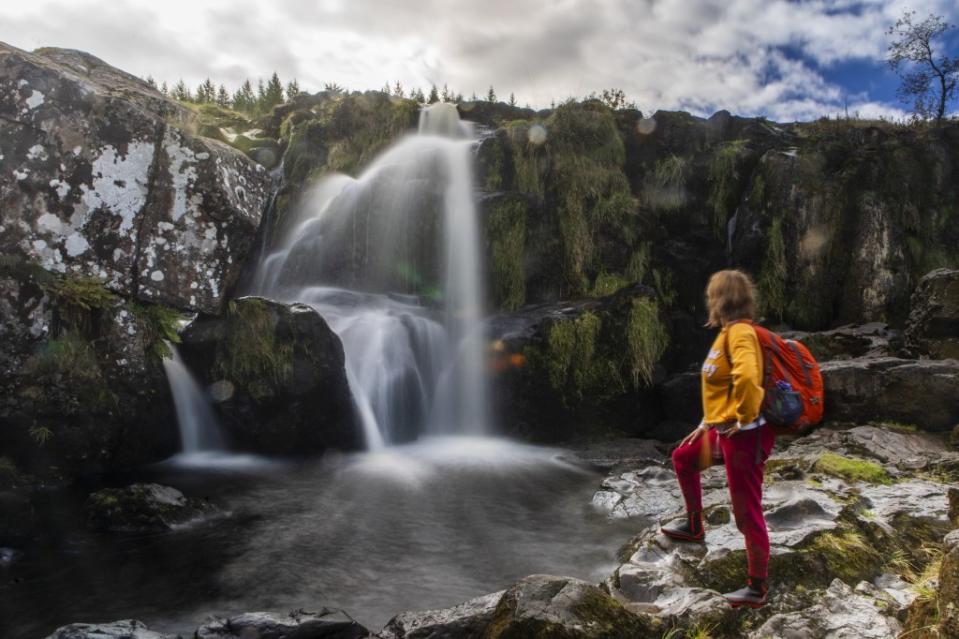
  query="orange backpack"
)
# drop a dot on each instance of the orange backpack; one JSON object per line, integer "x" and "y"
{"x": 794, "y": 395}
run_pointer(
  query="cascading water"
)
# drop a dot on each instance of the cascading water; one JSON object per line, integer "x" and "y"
{"x": 199, "y": 427}
{"x": 391, "y": 260}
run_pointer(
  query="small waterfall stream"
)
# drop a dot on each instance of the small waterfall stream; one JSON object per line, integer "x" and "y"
{"x": 199, "y": 427}
{"x": 391, "y": 260}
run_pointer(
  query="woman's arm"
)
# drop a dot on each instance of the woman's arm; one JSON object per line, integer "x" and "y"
{"x": 747, "y": 372}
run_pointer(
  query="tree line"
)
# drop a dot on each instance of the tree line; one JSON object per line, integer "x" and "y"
{"x": 245, "y": 99}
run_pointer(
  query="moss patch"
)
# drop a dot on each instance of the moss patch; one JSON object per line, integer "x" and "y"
{"x": 250, "y": 355}
{"x": 70, "y": 361}
{"x": 851, "y": 469}
{"x": 772, "y": 279}
{"x": 724, "y": 183}
{"x": 160, "y": 324}
{"x": 646, "y": 340}
{"x": 506, "y": 230}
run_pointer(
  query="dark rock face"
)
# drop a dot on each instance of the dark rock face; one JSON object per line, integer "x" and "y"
{"x": 100, "y": 180}
{"x": 846, "y": 342}
{"x": 143, "y": 508}
{"x": 278, "y": 376}
{"x": 923, "y": 393}
{"x": 126, "y": 629}
{"x": 299, "y": 624}
{"x": 933, "y": 328}
{"x": 571, "y": 369}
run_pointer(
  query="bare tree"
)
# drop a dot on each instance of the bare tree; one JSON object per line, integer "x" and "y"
{"x": 928, "y": 76}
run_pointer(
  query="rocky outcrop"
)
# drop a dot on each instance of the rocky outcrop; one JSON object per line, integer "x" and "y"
{"x": 298, "y": 624}
{"x": 933, "y": 327}
{"x": 143, "y": 508}
{"x": 115, "y": 220}
{"x": 536, "y": 606}
{"x": 468, "y": 620}
{"x": 839, "y": 504}
{"x": 99, "y": 179}
{"x": 276, "y": 373}
{"x": 126, "y": 629}
{"x": 920, "y": 392}
{"x": 874, "y": 339}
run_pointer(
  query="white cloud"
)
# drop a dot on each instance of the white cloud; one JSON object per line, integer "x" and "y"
{"x": 699, "y": 55}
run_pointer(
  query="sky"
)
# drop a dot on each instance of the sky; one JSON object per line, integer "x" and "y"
{"x": 783, "y": 59}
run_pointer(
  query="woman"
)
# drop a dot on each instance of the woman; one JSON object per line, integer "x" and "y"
{"x": 732, "y": 431}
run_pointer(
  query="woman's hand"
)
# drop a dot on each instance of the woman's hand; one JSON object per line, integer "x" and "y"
{"x": 693, "y": 436}
{"x": 732, "y": 430}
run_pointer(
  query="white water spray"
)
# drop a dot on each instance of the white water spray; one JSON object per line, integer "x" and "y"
{"x": 391, "y": 260}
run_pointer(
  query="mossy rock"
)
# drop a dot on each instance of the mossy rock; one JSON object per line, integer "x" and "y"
{"x": 142, "y": 508}
{"x": 851, "y": 469}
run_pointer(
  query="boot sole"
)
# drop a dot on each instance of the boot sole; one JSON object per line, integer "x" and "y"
{"x": 749, "y": 604}
{"x": 681, "y": 537}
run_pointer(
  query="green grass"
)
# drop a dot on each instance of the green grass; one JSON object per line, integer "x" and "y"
{"x": 161, "y": 325}
{"x": 851, "y": 469}
{"x": 646, "y": 340}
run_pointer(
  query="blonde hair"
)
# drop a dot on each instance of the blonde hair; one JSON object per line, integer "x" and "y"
{"x": 730, "y": 296}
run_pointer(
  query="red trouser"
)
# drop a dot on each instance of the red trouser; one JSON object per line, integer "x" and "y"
{"x": 745, "y": 456}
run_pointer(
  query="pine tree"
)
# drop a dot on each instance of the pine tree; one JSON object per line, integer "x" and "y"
{"x": 512, "y": 99}
{"x": 292, "y": 89}
{"x": 434, "y": 95}
{"x": 398, "y": 90}
{"x": 271, "y": 95}
{"x": 151, "y": 81}
{"x": 181, "y": 92}
{"x": 474, "y": 97}
{"x": 164, "y": 89}
{"x": 491, "y": 95}
{"x": 386, "y": 89}
{"x": 458, "y": 99}
{"x": 418, "y": 96}
{"x": 244, "y": 99}
{"x": 445, "y": 95}
{"x": 335, "y": 89}
{"x": 223, "y": 97}
{"x": 206, "y": 92}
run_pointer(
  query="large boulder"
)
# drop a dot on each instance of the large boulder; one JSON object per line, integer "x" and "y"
{"x": 933, "y": 327}
{"x": 923, "y": 393}
{"x": 100, "y": 179}
{"x": 143, "y": 508}
{"x": 277, "y": 375}
{"x": 298, "y": 624}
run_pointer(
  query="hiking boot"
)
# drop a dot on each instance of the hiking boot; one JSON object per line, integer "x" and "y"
{"x": 689, "y": 529}
{"x": 753, "y": 595}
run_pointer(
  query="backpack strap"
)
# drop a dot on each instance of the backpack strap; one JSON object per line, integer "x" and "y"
{"x": 802, "y": 362}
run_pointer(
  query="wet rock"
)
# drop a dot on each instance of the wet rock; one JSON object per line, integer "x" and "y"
{"x": 298, "y": 624}
{"x": 924, "y": 393}
{"x": 933, "y": 326}
{"x": 841, "y": 614}
{"x": 562, "y": 607}
{"x": 280, "y": 376}
{"x": 143, "y": 508}
{"x": 681, "y": 397}
{"x": 100, "y": 179}
{"x": 126, "y": 629}
{"x": 468, "y": 620}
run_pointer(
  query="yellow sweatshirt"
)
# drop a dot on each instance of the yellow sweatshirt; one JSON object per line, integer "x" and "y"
{"x": 733, "y": 392}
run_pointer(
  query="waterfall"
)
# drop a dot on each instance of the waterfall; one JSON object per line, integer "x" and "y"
{"x": 391, "y": 260}
{"x": 199, "y": 427}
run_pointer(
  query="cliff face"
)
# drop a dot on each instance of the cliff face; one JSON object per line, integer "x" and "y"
{"x": 836, "y": 221}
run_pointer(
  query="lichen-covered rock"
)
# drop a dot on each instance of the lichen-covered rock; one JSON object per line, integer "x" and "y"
{"x": 924, "y": 393}
{"x": 143, "y": 508}
{"x": 564, "y": 608}
{"x": 467, "y": 620}
{"x": 82, "y": 388}
{"x": 126, "y": 629}
{"x": 298, "y": 624}
{"x": 98, "y": 179}
{"x": 933, "y": 327}
{"x": 840, "y": 613}
{"x": 278, "y": 376}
